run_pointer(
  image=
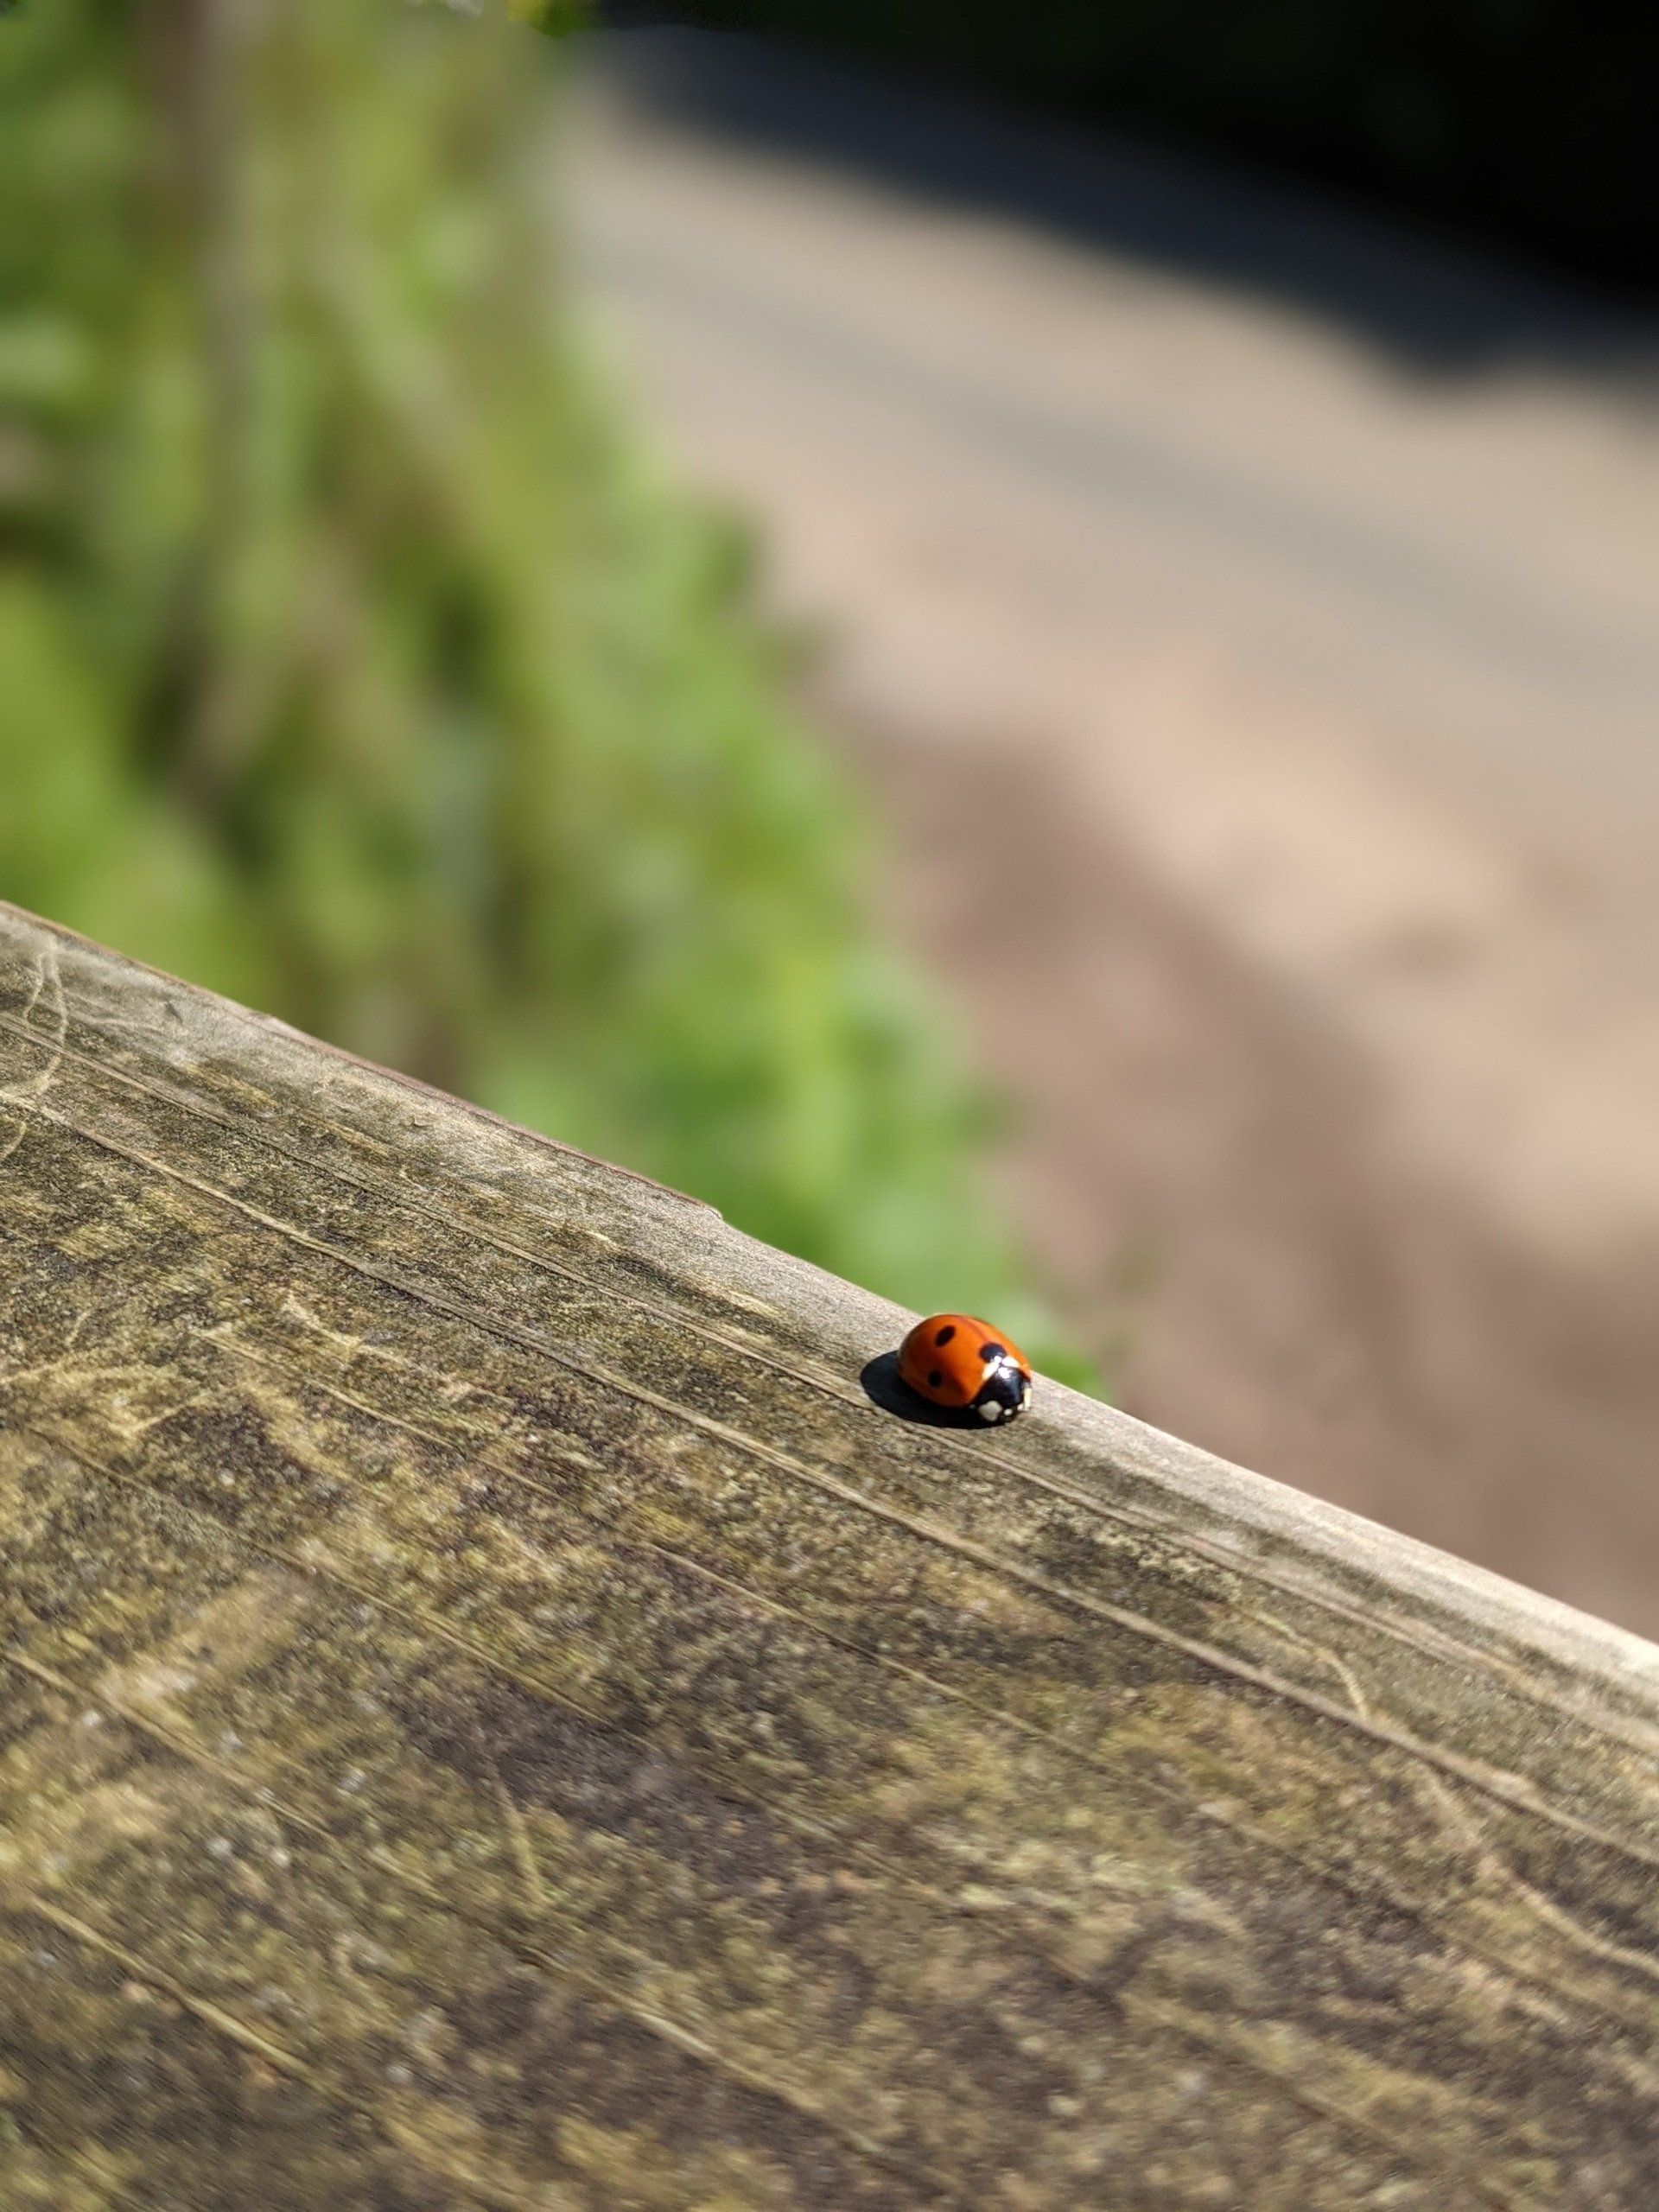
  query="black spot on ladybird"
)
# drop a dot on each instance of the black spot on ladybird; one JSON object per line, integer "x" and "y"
{"x": 934, "y": 1380}
{"x": 946, "y": 1333}
{"x": 992, "y": 1351}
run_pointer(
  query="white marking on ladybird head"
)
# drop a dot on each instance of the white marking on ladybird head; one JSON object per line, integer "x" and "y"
{"x": 990, "y": 1410}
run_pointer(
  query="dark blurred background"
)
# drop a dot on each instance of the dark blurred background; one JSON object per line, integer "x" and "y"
{"x": 1123, "y": 793}
{"x": 1527, "y": 121}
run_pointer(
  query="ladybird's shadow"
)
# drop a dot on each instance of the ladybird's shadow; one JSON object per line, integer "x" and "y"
{"x": 883, "y": 1387}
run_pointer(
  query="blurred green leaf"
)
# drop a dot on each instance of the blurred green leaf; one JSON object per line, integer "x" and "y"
{"x": 361, "y": 662}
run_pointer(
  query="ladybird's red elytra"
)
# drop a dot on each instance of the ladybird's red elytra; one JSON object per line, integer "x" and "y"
{"x": 951, "y": 1359}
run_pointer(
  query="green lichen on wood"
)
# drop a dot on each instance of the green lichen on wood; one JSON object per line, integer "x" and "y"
{"x": 495, "y": 1715}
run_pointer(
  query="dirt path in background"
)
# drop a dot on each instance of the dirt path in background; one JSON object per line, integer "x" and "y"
{"x": 1249, "y": 624}
{"x": 1210, "y": 1179}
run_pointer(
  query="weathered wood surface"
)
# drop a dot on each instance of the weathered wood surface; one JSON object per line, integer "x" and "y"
{"x": 494, "y": 1716}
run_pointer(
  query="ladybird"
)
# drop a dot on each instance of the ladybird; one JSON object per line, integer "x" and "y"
{"x": 953, "y": 1360}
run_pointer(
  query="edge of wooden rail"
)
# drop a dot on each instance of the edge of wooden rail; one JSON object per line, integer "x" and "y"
{"x": 429, "y": 1545}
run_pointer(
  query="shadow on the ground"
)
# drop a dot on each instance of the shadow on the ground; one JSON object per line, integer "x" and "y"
{"x": 1438, "y": 308}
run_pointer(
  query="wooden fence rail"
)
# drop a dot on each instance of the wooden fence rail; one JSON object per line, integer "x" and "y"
{"x": 495, "y": 1713}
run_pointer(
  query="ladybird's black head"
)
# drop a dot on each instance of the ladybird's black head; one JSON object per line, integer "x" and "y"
{"x": 1003, "y": 1393}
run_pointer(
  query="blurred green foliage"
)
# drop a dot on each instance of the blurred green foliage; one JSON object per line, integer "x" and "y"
{"x": 359, "y": 662}
{"x": 1530, "y": 120}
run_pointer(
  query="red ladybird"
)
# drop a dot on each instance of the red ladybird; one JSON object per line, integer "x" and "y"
{"x": 954, "y": 1360}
